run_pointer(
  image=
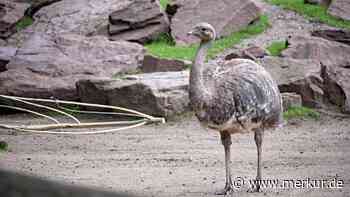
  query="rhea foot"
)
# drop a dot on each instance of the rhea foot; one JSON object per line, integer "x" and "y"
{"x": 227, "y": 190}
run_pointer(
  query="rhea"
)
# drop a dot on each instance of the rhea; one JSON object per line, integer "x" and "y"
{"x": 234, "y": 96}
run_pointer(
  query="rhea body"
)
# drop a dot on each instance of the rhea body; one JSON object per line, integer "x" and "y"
{"x": 234, "y": 96}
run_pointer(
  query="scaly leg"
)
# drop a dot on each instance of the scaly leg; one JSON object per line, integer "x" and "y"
{"x": 258, "y": 137}
{"x": 226, "y": 141}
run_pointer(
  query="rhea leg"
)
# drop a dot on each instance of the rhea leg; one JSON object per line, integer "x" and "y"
{"x": 258, "y": 137}
{"x": 226, "y": 141}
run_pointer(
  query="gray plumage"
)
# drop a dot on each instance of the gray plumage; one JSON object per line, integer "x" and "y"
{"x": 233, "y": 97}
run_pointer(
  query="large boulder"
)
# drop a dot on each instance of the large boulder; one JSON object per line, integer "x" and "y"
{"x": 141, "y": 21}
{"x": 83, "y": 17}
{"x": 10, "y": 13}
{"x": 335, "y": 60}
{"x": 340, "y": 8}
{"x": 322, "y": 50}
{"x": 48, "y": 66}
{"x": 226, "y": 16}
{"x": 160, "y": 94}
{"x": 337, "y": 85}
{"x": 299, "y": 76}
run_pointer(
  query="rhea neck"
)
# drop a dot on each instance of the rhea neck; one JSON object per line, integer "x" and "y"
{"x": 198, "y": 87}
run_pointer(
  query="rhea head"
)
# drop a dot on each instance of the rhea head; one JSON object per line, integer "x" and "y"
{"x": 204, "y": 31}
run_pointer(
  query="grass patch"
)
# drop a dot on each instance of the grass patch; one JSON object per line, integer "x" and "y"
{"x": 277, "y": 47}
{"x": 164, "y": 3}
{"x": 313, "y": 12}
{"x": 3, "y": 146}
{"x": 164, "y": 46}
{"x": 301, "y": 112}
{"x": 23, "y": 23}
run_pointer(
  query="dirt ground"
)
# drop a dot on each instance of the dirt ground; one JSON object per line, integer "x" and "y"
{"x": 180, "y": 158}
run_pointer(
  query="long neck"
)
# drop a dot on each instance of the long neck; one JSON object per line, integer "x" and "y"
{"x": 198, "y": 88}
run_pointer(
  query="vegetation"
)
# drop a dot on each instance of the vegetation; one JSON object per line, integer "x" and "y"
{"x": 277, "y": 47}
{"x": 3, "y": 146}
{"x": 163, "y": 3}
{"x": 24, "y": 22}
{"x": 314, "y": 12}
{"x": 301, "y": 112}
{"x": 164, "y": 46}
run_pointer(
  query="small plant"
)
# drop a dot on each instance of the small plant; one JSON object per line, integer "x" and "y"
{"x": 165, "y": 47}
{"x": 301, "y": 112}
{"x": 164, "y": 3}
{"x": 3, "y": 146}
{"x": 313, "y": 12}
{"x": 24, "y": 22}
{"x": 277, "y": 47}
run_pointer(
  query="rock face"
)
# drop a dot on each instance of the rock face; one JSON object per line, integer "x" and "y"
{"x": 291, "y": 99}
{"x": 335, "y": 60}
{"x": 340, "y": 8}
{"x": 226, "y": 16}
{"x": 50, "y": 66}
{"x": 159, "y": 94}
{"x": 325, "y": 51}
{"x": 36, "y": 5}
{"x": 6, "y": 54}
{"x": 337, "y": 85}
{"x": 333, "y": 35}
{"x": 154, "y": 64}
{"x": 81, "y": 17}
{"x": 141, "y": 21}
{"x": 299, "y": 76}
{"x": 10, "y": 12}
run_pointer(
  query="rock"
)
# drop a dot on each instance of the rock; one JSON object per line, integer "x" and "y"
{"x": 299, "y": 76}
{"x": 291, "y": 99}
{"x": 225, "y": 16}
{"x": 141, "y": 21}
{"x": 3, "y": 42}
{"x": 318, "y": 2}
{"x": 340, "y": 8}
{"x": 155, "y": 64}
{"x": 319, "y": 49}
{"x": 48, "y": 66}
{"x": 36, "y": 5}
{"x": 335, "y": 60}
{"x": 341, "y": 36}
{"x": 252, "y": 52}
{"x": 10, "y": 13}
{"x": 337, "y": 85}
{"x": 83, "y": 17}
{"x": 160, "y": 94}
{"x": 6, "y": 54}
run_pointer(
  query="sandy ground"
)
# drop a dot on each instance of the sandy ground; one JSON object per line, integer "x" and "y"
{"x": 180, "y": 158}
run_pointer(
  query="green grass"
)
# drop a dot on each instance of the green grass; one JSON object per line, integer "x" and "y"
{"x": 301, "y": 112}
{"x": 277, "y": 47}
{"x": 313, "y": 12}
{"x": 3, "y": 146}
{"x": 24, "y": 22}
{"x": 164, "y": 3}
{"x": 164, "y": 46}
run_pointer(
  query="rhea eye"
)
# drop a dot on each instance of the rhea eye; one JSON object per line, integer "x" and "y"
{"x": 203, "y": 29}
